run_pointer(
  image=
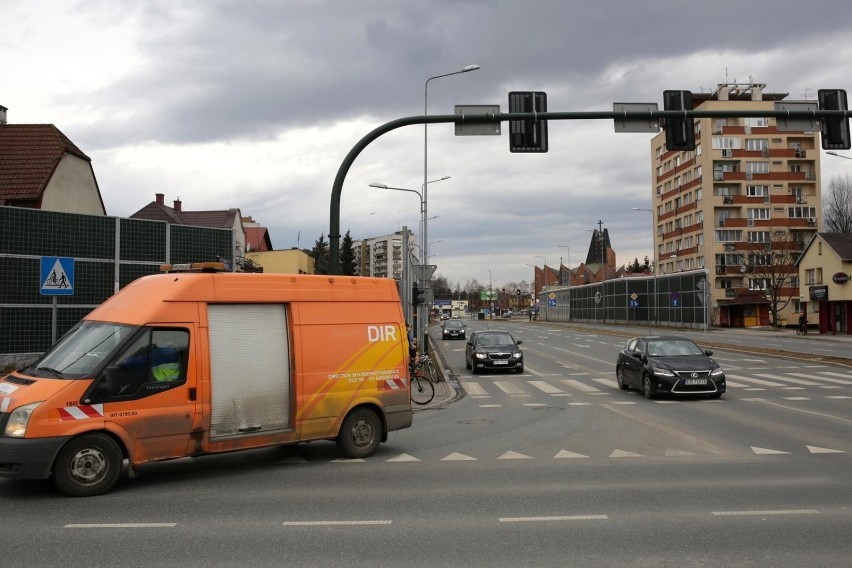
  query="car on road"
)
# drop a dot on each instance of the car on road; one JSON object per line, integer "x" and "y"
{"x": 453, "y": 329}
{"x": 668, "y": 365}
{"x": 493, "y": 350}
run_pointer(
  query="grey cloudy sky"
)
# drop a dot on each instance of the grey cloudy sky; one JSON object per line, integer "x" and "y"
{"x": 255, "y": 104}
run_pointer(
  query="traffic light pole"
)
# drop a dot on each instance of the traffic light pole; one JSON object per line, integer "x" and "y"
{"x": 626, "y": 116}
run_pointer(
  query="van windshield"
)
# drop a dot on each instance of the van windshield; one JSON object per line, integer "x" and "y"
{"x": 82, "y": 350}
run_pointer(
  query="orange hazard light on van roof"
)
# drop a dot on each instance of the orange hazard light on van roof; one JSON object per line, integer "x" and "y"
{"x": 194, "y": 267}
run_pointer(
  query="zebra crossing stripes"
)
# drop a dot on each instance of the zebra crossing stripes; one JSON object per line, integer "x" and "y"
{"x": 604, "y": 385}
{"x": 828, "y": 379}
{"x": 582, "y": 387}
{"x": 795, "y": 381}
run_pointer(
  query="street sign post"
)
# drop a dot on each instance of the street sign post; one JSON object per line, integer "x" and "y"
{"x": 57, "y": 279}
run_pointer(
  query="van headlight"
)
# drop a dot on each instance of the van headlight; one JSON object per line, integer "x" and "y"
{"x": 18, "y": 420}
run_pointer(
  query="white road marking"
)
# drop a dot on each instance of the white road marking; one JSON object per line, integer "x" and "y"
{"x": 120, "y": 525}
{"x": 545, "y": 387}
{"x": 473, "y": 389}
{"x": 581, "y": 386}
{"x": 756, "y": 381}
{"x": 332, "y": 523}
{"x": 827, "y": 379}
{"x": 509, "y": 388}
{"x": 557, "y": 518}
{"x": 818, "y": 450}
{"x": 788, "y": 379}
{"x": 762, "y": 513}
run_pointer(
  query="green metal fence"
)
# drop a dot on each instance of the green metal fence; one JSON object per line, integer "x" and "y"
{"x": 108, "y": 253}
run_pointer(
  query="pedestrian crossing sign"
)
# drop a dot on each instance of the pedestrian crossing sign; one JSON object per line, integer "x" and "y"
{"x": 57, "y": 276}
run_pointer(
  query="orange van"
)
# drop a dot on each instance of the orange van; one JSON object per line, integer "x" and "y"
{"x": 188, "y": 364}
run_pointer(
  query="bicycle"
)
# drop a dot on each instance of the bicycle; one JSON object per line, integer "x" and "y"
{"x": 422, "y": 389}
{"x": 802, "y": 329}
{"x": 431, "y": 370}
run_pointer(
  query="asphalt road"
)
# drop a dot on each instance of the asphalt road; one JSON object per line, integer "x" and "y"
{"x": 554, "y": 467}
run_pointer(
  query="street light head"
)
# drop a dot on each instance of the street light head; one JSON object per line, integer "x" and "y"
{"x": 379, "y": 185}
{"x": 467, "y": 68}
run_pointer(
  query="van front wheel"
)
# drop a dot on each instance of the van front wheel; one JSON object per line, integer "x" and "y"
{"x": 88, "y": 465}
{"x": 360, "y": 434}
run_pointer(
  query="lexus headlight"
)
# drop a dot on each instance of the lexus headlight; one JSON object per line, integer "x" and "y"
{"x": 18, "y": 420}
{"x": 662, "y": 372}
{"x": 716, "y": 372}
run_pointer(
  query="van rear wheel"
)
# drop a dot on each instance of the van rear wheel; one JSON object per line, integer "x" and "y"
{"x": 360, "y": 434}
{"x": 88, "y": 465}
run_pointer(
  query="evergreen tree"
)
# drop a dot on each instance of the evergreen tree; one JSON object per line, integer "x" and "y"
{"x": 347, "y": 256}
{"x": 320, "y": 254}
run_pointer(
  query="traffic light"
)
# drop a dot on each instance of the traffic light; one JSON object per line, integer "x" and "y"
{"x": 835, "y": 131}
{"x": 680, "y": 132}
{"x": 519, "y": 292}
{"x": 527, "y": 135}
{"x": 418, "y": 296}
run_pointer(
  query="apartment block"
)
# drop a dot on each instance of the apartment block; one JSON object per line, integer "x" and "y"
{"x": 382, "y": 256}
{"x": 741, "y": 205}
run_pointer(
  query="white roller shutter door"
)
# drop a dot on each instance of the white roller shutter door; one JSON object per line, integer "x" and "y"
{"x": 249, "y": 368}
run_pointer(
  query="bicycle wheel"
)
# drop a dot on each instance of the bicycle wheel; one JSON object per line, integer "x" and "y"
{"x": 432, "y": 372}
{"x": 422, "y": 390}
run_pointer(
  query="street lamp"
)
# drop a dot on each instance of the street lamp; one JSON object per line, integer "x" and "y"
{"x": 464, "y": 69}
{"x": 421, "y": 324}
{"x": 653, "y": 255}
{"x": 839, "y": 155}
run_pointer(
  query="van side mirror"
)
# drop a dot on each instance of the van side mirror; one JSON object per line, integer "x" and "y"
{"x": 117, "y": 380}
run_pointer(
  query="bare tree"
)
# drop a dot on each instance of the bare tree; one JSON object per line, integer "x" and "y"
{"x": 837, "y": 206}
{"x": 769, "y": 267}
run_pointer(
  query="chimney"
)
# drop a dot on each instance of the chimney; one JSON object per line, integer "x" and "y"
{"x": 757, "y": 93}
{"x": 160, "y": 198}
{"x": 3, "y": 115}
{"x": 177, "y": 204}
{"x": 723, "y": 93}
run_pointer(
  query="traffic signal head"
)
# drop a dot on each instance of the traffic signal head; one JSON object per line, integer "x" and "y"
{"x": 418, "y": 296}
{"x": 680, "y": 131}
{"x": 835, "y": 131}
{"x": 527, "y": 135}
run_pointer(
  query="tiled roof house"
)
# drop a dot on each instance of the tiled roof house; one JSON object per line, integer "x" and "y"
{"x": 40, "y": 168}
{"x": 157, "y": 210}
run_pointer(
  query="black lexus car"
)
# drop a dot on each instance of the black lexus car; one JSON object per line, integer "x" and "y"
{"x": 663, "y": 365}
{"x": 493, "y": 350}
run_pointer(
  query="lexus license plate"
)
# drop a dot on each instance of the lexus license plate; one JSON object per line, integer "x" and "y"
{"x": 695, "y": 381}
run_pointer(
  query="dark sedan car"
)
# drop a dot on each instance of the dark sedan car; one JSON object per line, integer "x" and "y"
{"x": 668, "y": 365}
{"x": 493, "y": 350}
{"x": 452, "y": 329}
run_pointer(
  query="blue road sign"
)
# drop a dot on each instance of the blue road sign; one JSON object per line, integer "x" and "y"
{"x": 634, "y": 303}
{"x": 551, "y": 303}
{"x": 57, "y": 276}
{"x": 675, "y": 299}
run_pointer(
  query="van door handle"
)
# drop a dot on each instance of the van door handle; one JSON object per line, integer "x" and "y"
{"x": 192, "y": 394}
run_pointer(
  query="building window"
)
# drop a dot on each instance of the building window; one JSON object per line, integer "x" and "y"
{"x": 758, "y": 236}
{"x": 761, "y": 213}
{"x": 728, "y": 236}
{"x": 726, "y": 142}
{"x": 756, "y": 121}
{"x": 757, "y": 190}
{"x": 757, "y": 167}
{"x": 801, "y": 212}
{"x": 757, "y": 144}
